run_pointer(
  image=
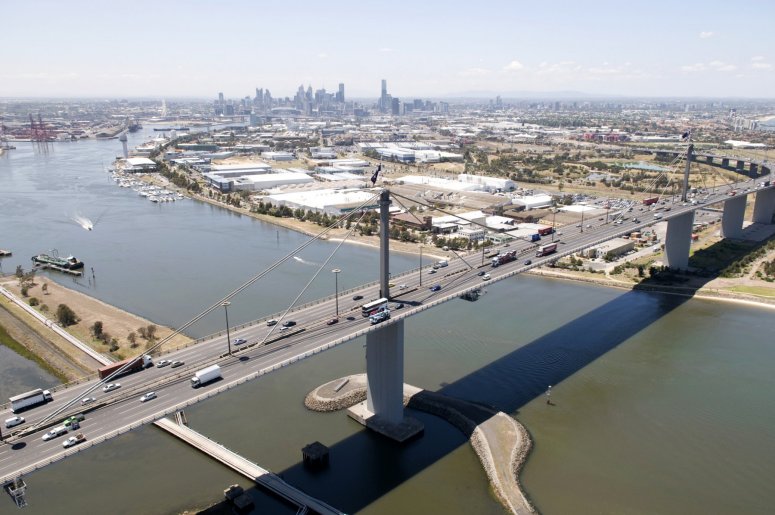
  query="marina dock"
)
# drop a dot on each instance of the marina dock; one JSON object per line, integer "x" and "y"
{"x": 245, "y": 467}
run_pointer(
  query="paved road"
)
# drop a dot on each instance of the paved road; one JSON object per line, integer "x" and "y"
{"x": 117, "y": 411}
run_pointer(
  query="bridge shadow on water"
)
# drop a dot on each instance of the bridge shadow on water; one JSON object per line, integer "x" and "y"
{"x": 366, "y": 466}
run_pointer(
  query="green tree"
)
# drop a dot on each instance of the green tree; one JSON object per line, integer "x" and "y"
{"x": 96, "y": 329}
{"x": 151, "y": 331}
{"x": 66, "y": 316}
{"x": 132, "y": 339}
{"x": 34, "y": 301}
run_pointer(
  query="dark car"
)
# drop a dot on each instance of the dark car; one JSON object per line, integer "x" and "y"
{"x": 357, "y": 297}
{"x": 289, "y": 323}
{"x": 400, "y": 305}
{"x": 529, "y": 262}
{"x": 436, "y": 287}
{"x": 481, "y": 273}
{"x": 332, "y": 321}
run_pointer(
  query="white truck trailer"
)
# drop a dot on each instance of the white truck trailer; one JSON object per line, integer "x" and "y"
{"x": 30, "y": 399}
{"x": 206, "y": 375}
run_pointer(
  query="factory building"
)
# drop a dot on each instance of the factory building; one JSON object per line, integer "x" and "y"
{"x": 488, "y": 183}
{"x": 615, "y": 247}
{"x": 330, "y": 201}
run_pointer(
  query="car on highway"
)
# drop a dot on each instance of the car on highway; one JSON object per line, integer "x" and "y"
{"x": 379, "y": 316}
{"x": 14, "y": 421}
{"x": 110, "y": 387}
{"x": 176, "y": 364}
{"x": 401, "y": 286}
{"x": 270, "y": 323}
{"x": 148, "y": 396}
{"x": 87, "y": 400}
{"x": 73, "y": 440}
{"x": 54, "y": 433}
{"x": 435, "y": 287}
{"x": 481, "y": 273}
{"x": 400, "y": 305}
{"x": 357, "y": 297}
{"x": 332, "y": 321}
{"x": 529, "y": 262}
{"x": 350, "y": 318}
{"x": 239, "y": 341}
{"x": 163, "y": 363}
{"x": 485, "y": 277}
{"x": 289, "y": 323}
{"x": 74, "y": 420}
{"x": 432, "y": 271}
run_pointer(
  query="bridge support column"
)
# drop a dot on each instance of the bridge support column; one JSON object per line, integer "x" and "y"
{"x": 754, "y": 169}
{"x": 383, "y": 409}
{"x": 740, "y": 166}
{"x": 732, "y": 219}
{"x": 764, "y": 208}
{"x": 678, "y": 240}
{"x": 709, "y": 160}
{"x": 725, "y": 162}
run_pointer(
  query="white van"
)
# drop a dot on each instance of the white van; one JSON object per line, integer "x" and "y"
{"x": 13, "y": 421}
{"x": 443, "y": 263}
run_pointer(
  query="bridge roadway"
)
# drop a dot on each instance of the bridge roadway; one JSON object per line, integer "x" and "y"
{"x": 119, "y": 411}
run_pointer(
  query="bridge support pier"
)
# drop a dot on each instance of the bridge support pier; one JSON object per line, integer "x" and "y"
{"x": 678, "y": 240}
{"x": 764, "y": 208}
{"x": 732, "y": 219}
{"x": 725, "y": 162}
{"x": 383, "y": 409}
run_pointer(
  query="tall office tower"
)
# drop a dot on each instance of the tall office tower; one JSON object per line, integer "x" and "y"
{"x": 340, "y": 93}
{"x": 383, "y": 99}
{"x": 395, "y": 107}
{"x": 220, "y": 98}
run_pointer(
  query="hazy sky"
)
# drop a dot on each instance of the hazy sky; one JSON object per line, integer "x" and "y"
{"x": 423, "y": 47}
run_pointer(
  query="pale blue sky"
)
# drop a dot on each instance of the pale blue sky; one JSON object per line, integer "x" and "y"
{"x": 423, "y": 48}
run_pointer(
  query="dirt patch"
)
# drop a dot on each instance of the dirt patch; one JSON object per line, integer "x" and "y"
{"x": 116, "y": 322}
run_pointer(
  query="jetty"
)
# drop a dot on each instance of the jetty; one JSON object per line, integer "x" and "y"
{"x": 245, "y": 467}
{"x": 5, "y": 253}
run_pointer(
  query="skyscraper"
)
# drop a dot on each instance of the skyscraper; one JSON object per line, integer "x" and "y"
{"x": 384, "y": 103}
{"x": 340, "y": 93}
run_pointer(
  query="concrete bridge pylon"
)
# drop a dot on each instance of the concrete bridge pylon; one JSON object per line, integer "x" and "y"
{"x": 383, "y": 409}
{"x": 678, "y": 241}
{"x": 732, "y": 219}
{"x": 764, "y": 208}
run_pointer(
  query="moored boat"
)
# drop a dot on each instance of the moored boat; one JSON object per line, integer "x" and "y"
{"x": 68, "y": 263}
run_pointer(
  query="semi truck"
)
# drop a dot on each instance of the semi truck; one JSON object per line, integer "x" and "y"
{"x": 30, "y": 399}
{"x": 135, "y": 364}
{"x": 206, "y": 375}
{"x": 649, "y": 201}
{"x": 504, "y": 258}
{"x": 545, "y": 250}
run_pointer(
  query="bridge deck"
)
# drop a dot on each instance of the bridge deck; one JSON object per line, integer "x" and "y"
{"x": 245, "y": 467}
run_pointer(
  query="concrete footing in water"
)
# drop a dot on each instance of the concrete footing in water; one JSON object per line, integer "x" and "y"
{"x": 501, "y": 443}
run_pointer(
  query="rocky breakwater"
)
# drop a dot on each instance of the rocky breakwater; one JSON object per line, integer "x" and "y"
{"x": 501, "y": 443}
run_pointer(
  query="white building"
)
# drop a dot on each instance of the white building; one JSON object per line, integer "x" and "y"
{"x": 331, "y": 201}
{"x": 488, "y": 183}
{"x": 278, "y": 156}
{"x": 533, "y": 201}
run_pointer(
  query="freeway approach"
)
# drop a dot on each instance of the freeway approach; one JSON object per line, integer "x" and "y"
{"x": 269, "y": 348}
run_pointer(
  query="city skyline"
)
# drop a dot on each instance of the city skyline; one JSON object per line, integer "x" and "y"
{"x": 434, "y": 50}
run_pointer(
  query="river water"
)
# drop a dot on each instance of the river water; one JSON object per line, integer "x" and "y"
{"x": 660, "y": 404}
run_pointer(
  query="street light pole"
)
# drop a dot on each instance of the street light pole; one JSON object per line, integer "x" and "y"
{"x": 336, "y": 289}
{"x": 228, "y": 337}
{"x": 420, "y": 265}
{"x": 554, "y": 214}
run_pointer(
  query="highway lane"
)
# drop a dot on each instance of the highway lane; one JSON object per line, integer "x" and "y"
{"x": 122, "y": 406}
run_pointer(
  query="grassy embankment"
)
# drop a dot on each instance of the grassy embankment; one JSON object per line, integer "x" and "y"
{"x": 7, "y": 340}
